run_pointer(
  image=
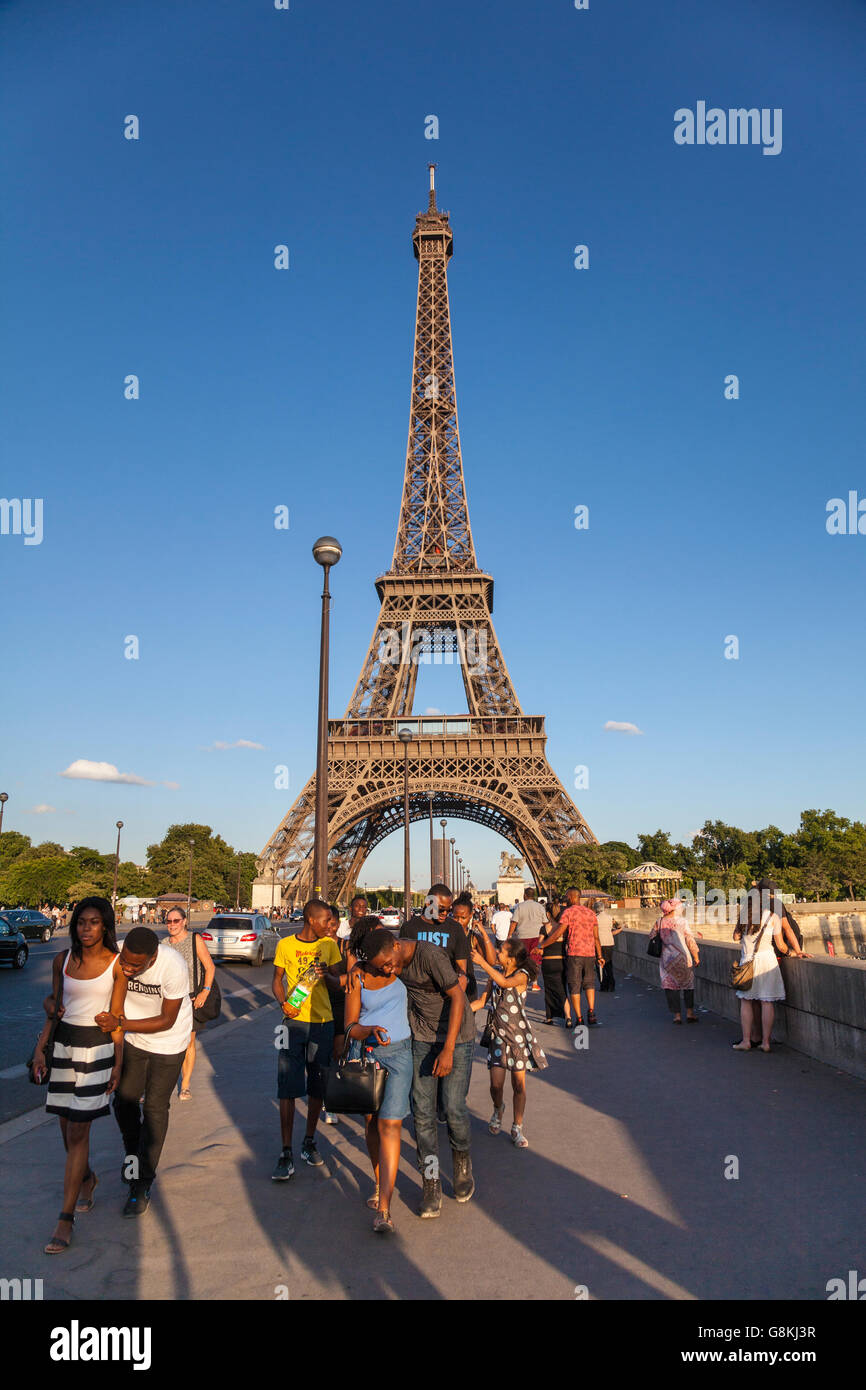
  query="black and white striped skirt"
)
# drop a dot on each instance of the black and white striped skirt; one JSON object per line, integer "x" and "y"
{"x": 80, "y": 1071}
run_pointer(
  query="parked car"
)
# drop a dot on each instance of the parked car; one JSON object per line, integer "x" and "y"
{"x": 391, "y": 917}
{"x": 34, "y": 925}
{"x": 13, "y": 948}
{"x": 245, "y": 936}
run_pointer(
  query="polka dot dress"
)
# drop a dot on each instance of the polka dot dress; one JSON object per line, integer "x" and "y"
{"x": 514, "y": 1045}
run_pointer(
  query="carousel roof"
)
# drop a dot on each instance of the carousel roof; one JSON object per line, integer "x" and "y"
{"x": 649, "y": 870}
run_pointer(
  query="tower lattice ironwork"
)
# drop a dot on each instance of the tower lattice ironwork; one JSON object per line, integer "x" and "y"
{"x": 489, "y": 766}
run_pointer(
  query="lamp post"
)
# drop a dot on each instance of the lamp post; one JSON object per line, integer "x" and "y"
{"x": 238, "y": 892}
{"x": 430, "y": 799}
{"x": 405, "y": 737}
{"x": 119, "y": 825}
{"x": 444, "y": 850}
{"x": 189, "y": 885}
{"x": 453, "y": 865}
{"x": 4, "y": 797}
{"x": 326, "y": 552}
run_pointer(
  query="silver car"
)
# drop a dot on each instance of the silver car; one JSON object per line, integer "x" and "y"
{"x": 245, "y": 936}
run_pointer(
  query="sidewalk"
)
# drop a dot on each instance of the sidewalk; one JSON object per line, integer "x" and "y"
{"x": 623, "y": 1189}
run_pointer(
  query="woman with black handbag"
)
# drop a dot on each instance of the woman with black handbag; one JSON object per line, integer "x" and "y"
{"x": 203, "y": 993}
{"x": 762, "y": 940}
{"x": 377, "y": 1023}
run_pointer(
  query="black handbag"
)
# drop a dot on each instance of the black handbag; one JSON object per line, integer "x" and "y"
{"x": 354, "y": 1088}
{"x": 654, "y": 946}
{"x": 49, "y": 1043}
{"x": 212, "y": 1006}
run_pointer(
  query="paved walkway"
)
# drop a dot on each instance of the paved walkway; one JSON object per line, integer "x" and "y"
{"x": 622, "y": 1190}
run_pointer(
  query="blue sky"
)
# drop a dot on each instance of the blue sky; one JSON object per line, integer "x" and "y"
{"x": 602, "y": 387}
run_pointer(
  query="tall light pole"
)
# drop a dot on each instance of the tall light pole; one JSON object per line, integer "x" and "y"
{"x": 119, "y": 825}
{"x": 4, "y": 797}
{"x": 238, "y": 893}
{"x": 453, "y": 865}
{"x": 405, "y": 737}
{"x": 189, "y": 885}
{"x": 444, "y": 850}
{"x": 430, "y": 799}
{"x": 326, "y": 552}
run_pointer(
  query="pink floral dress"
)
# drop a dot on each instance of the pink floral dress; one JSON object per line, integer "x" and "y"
{"x": 676, "y": 963}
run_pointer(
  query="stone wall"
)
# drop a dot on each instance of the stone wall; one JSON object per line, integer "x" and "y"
{"x": 824, "y": 1014}
{"x": 841, "y": 924}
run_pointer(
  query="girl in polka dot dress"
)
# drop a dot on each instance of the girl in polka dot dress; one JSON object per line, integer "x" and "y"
{"x": 513, "y": 1047}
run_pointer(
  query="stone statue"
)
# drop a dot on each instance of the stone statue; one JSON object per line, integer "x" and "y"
{"x": 510, "y": 865}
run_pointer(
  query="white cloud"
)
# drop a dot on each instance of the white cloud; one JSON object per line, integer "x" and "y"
{"x": 172, "y": 786}
{"x": 431, "y": 709}
{"x": 85, "y": 770}
{"x": 220, "y": 747}
{"x": 619, "y": 727}
{"x": 41, "y": 810}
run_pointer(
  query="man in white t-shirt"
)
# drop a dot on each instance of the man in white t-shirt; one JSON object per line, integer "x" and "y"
{"x": 157, "y": 1025}
{"x": 501, "y": 922}
{"x": 606, "y": 932}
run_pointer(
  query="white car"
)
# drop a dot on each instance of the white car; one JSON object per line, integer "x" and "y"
{"x": 391, "y": 917}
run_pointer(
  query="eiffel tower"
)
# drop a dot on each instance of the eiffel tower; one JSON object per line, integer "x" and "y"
{"x": 488, "y": 766}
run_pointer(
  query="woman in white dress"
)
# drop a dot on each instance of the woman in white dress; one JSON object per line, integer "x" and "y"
{"x": 759, "y": 932}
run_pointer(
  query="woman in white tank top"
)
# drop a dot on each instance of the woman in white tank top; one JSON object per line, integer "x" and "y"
{"x": 86, "y": 1064}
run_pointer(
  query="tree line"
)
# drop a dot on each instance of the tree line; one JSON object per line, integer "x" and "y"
{"x": 31, "y": 875}
{"x": 824, "y": 859}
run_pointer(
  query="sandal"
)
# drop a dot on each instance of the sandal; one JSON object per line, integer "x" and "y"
{"x": 185, "y": 1095}
{"x": 373, "y": 1202}
{"x": 57, "y": 1244}
{"x": 86, "y": 1204}
{"x": 495, "y": 1124}
{"x": 518, "y": 1138}
{"x": 382, "y": 1223}
{"x": 676, "y": 1020}
{"x": 742, "y": 1047}
{"x": 694, "y": 1019}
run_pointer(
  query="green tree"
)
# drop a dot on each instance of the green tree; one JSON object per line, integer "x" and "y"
{"x": 32, "y": 882}
{"x": 12, "y": 845}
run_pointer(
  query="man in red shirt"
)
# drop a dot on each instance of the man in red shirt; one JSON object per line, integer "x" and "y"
{"x": 582, "y": 950}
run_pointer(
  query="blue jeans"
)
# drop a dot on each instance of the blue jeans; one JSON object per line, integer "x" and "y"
{"x": 454, "y": 1088}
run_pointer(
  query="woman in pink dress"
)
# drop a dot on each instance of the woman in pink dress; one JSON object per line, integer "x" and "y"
{"x": 678, "y": 958}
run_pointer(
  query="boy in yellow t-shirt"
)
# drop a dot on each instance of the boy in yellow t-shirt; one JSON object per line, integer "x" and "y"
{"x": 307, "y": 1034}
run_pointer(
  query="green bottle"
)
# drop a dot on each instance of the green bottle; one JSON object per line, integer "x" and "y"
{"x": 304, "y": 985}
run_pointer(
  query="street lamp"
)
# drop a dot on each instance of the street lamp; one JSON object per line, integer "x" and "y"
{"x": 405, "y": 737}
{"x": 444, "y": 850}
{"x": 189, "y": 885}
{"x": 238, "y": 893}
{"x": 453, "y": 865}
{"x": 430, "y": 799}
{"x": 4, "y": 797}
{"x": 119, "y": 825}
{"x": 326, "y": 552}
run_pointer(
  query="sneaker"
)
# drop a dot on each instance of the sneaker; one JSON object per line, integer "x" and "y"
{"x": 441, "y": 1117}
{"x": 518, "y": 1138}
{"x": 591, "y": 1018}
{"x": 138, "y": 1200}
{"x": 330, "y": 1119}
{"x": 310, "y": 1154}
{"x": 285, "y": 1167}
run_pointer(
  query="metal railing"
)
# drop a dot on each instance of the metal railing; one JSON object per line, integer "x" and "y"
{"x": 438, "y": 726}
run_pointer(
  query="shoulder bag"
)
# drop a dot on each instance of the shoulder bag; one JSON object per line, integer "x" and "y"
{"x": 212, "y": 1006}
{"x": 49, "y": 1044}
{"x": 743, "y": 972}
{"x": 654, "y": 945}
{"x": 354, "y": 1088}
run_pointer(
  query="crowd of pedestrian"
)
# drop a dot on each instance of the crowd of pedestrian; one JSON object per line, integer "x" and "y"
{"x": 121, "y": 1023}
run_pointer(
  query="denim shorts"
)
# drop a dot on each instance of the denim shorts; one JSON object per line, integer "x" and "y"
{"x": 302, "y": 1065}
{"x": 396, "y": 1058}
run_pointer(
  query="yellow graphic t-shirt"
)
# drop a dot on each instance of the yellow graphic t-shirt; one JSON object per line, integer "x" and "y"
{"x": 293, "y": 957}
